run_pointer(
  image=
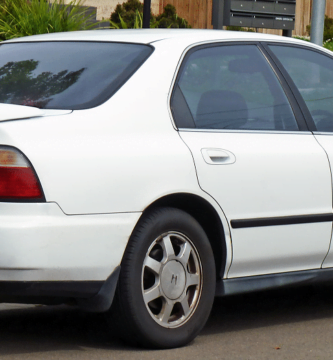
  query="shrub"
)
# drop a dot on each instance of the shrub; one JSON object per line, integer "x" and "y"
{"x": 170, "y": 19}
{"x": 129, "y": 15}
{"x": 22, "y": 18}
{"x": 328, "y": 28}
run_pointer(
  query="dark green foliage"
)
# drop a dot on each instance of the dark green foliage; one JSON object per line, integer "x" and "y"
{"x": 328, "y": 28}
{"x": 3, "y": 15}
{"x": 170, "y": 19}
{"x": 129, "y": 15}
{"x": 17, "y": 77}
{"x": 127, "y": 12}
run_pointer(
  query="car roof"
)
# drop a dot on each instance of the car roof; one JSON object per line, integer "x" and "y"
{"x": 184, "y": 37}
{"x": 147, "y": 36}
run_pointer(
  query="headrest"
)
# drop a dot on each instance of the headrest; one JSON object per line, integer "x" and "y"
{"x": 221, "y": 109}
{"x": 244, "y": 66}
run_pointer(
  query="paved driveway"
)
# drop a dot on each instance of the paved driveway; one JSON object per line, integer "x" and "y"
{"x": 289, "y": 324}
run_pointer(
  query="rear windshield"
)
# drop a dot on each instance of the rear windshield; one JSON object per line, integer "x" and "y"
{"x": 66, "y": 75}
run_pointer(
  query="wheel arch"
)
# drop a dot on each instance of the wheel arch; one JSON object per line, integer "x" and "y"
{"x": 206, "y": 216}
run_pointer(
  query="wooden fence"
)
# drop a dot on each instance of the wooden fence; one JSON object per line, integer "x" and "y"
{"x": 199, "y": 13}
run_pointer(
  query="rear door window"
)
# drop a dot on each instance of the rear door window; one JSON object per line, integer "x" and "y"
{"x": 66, "y": 75}
{"x": 230, "y": 87}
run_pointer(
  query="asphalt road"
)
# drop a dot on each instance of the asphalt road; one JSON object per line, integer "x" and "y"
{"x": 288, "y": 324}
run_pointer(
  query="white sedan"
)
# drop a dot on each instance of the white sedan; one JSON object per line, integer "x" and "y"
{"x": 152, "y": 170}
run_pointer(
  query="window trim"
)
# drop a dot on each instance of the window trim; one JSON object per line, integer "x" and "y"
{"x": 299, "y": 116}
{"x": 245, "y": 131}
{"x": 302, "y": 104}
{"x": 300, "y": 120}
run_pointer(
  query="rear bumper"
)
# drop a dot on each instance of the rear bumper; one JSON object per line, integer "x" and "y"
{"x": 42, "y": 245}
{"x": 38, "y": 289}
{"x": 94, "y": 296}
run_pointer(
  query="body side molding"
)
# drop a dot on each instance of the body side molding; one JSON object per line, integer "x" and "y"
{"x": 249, "y": 284}
{"x": 281, "y": 220}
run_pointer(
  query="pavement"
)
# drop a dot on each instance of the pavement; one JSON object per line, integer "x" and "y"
{"x": 292, "y": 324}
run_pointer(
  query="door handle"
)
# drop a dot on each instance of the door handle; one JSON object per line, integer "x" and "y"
{"x": 218, "y": 156}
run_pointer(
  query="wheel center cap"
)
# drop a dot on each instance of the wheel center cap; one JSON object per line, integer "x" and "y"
{"x": 173, "y": 279}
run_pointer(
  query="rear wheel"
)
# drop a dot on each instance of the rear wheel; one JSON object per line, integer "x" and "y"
{"x": 167, "y": 281}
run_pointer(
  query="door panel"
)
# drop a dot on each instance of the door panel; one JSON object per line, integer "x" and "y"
{"x": 275, "y": 249}
{"x": 274, "y": 175}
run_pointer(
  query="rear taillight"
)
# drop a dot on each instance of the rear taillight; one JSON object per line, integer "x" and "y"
{"x": 18, "y": 180}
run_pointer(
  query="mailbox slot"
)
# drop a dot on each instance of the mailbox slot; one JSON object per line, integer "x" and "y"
{"x": 263, "y": 7}
{"x": 262, "y": 22}
{"x": 237, "y": 5}
{"x": 288, "y": 9}
{"x": 241, "y": 21}
{"x": 283, "y": 24}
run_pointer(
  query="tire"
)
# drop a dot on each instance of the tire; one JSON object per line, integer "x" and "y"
{"x": 167, "y": 281}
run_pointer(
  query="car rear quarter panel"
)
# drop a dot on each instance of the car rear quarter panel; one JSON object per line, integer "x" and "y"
{"x": 117, "y": 157}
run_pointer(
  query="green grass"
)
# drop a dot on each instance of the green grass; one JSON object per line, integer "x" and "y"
{"x": 328, "y": 44}
{"x": 305, "y": 38}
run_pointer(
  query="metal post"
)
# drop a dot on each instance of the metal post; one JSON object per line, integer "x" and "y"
{"x": 317, "y": 21}
{"x": 287, "y": 33}
{"x": 217, "y": 15}
{"x": 146, "y": 14}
